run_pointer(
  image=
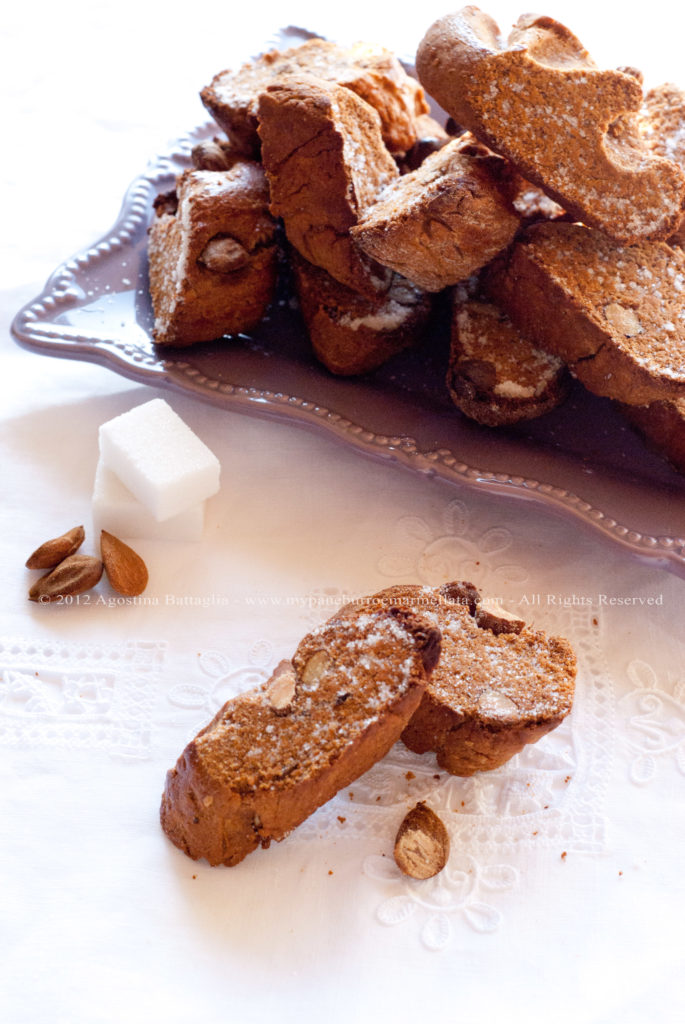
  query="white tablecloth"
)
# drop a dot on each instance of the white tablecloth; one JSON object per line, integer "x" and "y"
{"x": 564, "y": 893}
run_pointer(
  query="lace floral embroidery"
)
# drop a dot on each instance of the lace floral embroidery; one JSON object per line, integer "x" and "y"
{"x": 654, "y": 723}
{"x": 455, "y": 893}
{"x": 79, "y": 695}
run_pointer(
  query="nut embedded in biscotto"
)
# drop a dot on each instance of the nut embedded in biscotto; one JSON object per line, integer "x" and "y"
{"x": 54, "y": 551}
{"x": 281, "y": 687}
{"x": 491, "y": 615}
{"x": 224, "y": 255}
{"x": 422, "y": 846}
{"x": 315, "y": 668}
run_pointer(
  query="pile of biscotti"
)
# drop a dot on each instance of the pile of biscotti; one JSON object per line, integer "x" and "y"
{"x": 438, "y": 668}
{"x": 550, "y": 206}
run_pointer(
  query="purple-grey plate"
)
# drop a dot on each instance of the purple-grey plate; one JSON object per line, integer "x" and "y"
{"x": 581, "y": 460}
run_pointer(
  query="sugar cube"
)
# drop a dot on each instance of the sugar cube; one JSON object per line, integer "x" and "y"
{"x": 115, "y": 509}
{"x": 159, "y": 459}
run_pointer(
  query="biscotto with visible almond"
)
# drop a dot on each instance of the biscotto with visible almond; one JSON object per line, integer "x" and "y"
{"x": 541, "y": 101}
{"x": 270, "y": 757}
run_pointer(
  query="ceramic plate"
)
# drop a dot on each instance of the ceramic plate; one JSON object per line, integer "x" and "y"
{"x": 581, "y": 459}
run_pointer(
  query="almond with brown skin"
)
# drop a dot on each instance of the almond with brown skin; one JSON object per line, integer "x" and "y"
{"x": 54, "y": 551}
{"x": 422, "y": 845}
{"x": 126, "y": 570}
{"x": 74, "y": 575}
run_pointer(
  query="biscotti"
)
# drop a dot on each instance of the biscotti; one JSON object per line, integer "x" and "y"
{"x": 662, "y": 126}
{"x": 540, "y": 100}
{"x": 613, "y": 313}
{"x": 663, "y": 426}
{"x": 439, "y": 223}
{"x": 372, "y": 72}
{"x": 495, "y": 375}
{"x": 498, "y": 685}
{"x": 212, "y": 255}
{"x": 270, "y": 757}
{"x": 351, "y": 334}
{"x": 326, "y": 162}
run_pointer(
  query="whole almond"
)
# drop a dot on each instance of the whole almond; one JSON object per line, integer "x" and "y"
{"x": 126, "y": 570}
{"x": 54, "y": 551}
{"x": 422, "y": 845}
{"x": 281, "y": 688}
{"x": 74, "y": 575}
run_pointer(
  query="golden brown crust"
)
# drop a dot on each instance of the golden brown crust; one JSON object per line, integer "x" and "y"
{"x": 662, "y": 126}
{"x": 212, "y": 255}
{"x": 567, "y": 126}
{"x": 270, "y": 757}
{"x": 372, "y": 72}
{"x": 611, "y": 312}
{"x": 495, "y": 375}
{"x": 351, "y": 334}
{"x": 492, "y": 692}
{"x": 439, "y": 223}
{"x": 326, "y": 163}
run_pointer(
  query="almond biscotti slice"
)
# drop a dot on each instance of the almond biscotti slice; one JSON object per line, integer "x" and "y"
{"x": 495, "y": 375}
{"x": 212, "y": 255}
{"x": 497, "y": 686}
{"x": 351, "y": 334}
{"x": 325, "y": 159}
{"x": 662, "y": 126}
{"x": 270, "y": 757}
{"x": 615, "y": 314}
{"x": 541, "y": 101}
{"x": 372, "y": 72}
{"x": 439, "y": 223}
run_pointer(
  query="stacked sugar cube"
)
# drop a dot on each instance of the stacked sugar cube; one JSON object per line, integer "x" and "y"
{"x": 153, "y": 476}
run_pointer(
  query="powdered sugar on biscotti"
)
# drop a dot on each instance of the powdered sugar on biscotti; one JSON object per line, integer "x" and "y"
{"x": 567, "y": 126}
{"x": 615, "y": 314}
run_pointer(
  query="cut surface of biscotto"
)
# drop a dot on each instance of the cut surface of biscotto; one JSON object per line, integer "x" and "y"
{"x": 497, "y": 686}
{"x": 270, "y": 757}
{"x": 615, "y": 314}
{"x": 372, "y": 72}
{"x": 495, "y": 375}
{"x": 326, "y": 163}
{"x": 540, "y": 100}
{"x": 439, "y": 223}
{"x": 352, "y": 334}
{"x": 662, "y": 126}
{"x": 212, "y": 255}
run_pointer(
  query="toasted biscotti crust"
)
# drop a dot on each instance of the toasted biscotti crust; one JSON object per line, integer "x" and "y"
{"x": 326, "y": 163}
{"x": 613, "y": 313}
{"x": 541, "y": 101}
{"x": 270, "y": 757}
{"x": 495, "y": 375}
{"x": 497, "y": 686}
{"x": 662, "y": 126}
{"x": 351, "y": 334}
{"x": 372, "y": 72}
{"x": 439, "y": 223}
{"x": 212, "y": 255}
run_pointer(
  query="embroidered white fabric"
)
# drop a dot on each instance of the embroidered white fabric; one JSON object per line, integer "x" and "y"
{"x": 563, "y": 893}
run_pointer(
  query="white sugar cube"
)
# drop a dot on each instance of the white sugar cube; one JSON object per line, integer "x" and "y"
{"x": 159, "y": 459}
{"x": 116, "y": 510}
